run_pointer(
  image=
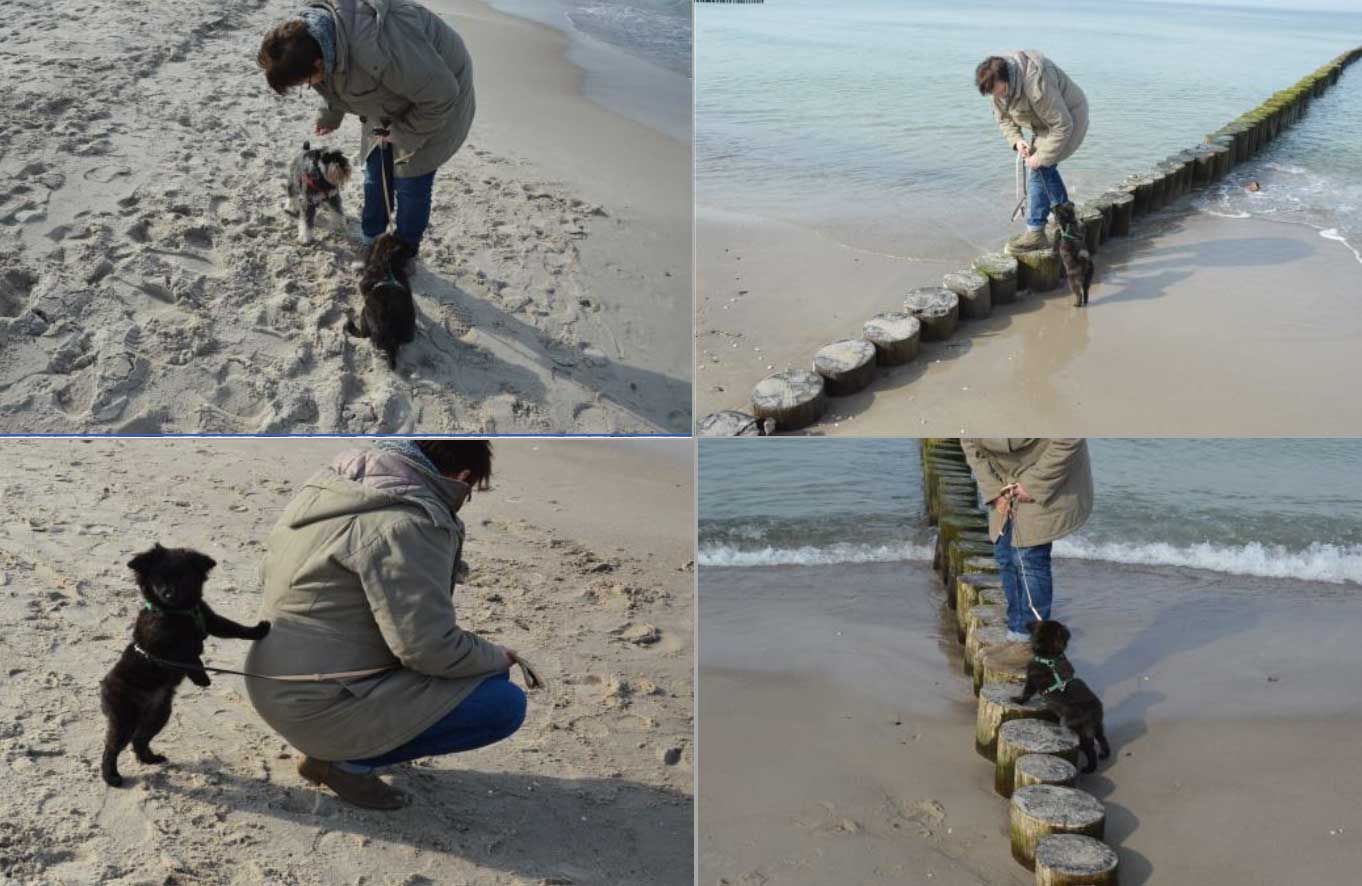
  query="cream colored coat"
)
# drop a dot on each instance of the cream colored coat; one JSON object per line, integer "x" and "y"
{"x": 1054, "y": 472}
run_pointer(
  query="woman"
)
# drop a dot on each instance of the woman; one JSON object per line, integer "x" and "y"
{"x": 399, "y": 68}
{"x": 1029, "y": 90}
{"x": 1038, "y": 491}
{"x": 359, "y": 575}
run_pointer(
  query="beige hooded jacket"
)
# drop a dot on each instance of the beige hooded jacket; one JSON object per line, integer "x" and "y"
{"x": 359, "y": 574}
{"x": 1042, "y": 97}
{"x": 1056, "y": 473}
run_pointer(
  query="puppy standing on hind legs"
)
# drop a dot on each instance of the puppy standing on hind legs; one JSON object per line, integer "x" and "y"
{"x": 167, "y": 646}
{"x": 1050, "y": 674}
{"x": 315, "y": 178}
{"x": 1072, "y": 251}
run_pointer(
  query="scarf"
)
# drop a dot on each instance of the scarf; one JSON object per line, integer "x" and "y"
{"x": 411, "y": 452}
{"x": 322, "y": 28}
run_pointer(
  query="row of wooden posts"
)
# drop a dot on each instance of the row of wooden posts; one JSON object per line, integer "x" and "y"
{"x": 1057, "y": 829}
{"x": 796, "y": 398}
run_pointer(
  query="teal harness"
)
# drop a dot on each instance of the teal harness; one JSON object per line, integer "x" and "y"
{"x": 1067, "y": 234}
{"x": 195, "y": 613}
{"x": 1059, "y": 685}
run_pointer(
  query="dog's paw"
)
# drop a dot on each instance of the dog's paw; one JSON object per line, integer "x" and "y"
{"x": 261, "y": 629}
{"x": 113, "y": 779}
{"x": 152, "y": 759}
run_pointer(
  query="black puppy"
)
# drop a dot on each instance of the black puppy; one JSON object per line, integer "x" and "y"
{"x": 167, "y": 644}
{"x": 389, "y": 314}
{"x": 1050, "y": 675}
{"x": 1073, "y": 252}
{"x": 315, "y": 177}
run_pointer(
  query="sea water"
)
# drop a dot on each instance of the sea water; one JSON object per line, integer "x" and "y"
{"x": 1270, "y": 508}
{"x": 860, "y": 117}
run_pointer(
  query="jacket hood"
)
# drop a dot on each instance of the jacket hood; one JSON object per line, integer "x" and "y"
{"x": 363, "y": 480}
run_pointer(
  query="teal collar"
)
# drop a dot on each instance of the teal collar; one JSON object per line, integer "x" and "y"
{"x": 194, "y": 612}
{"x": 1059, "y": 685}
{"x": 1068, "y": 235}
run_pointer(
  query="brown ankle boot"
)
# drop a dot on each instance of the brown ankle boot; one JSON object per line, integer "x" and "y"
{"x": 367, "y": 791}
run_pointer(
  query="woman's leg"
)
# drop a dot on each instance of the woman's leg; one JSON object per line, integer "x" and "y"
{"x": 374, "y": 217}
{"x": 494, "y": 711}
{"x": 1036, "y": 581}
{"x": 1044, "y": 188}
{"x": 413, "y": 209}
{"x": 1007, "y": 569}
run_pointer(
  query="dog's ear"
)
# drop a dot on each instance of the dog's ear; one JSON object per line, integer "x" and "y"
{"x": 202, "y": 562}
{"x": 1031, "y": 627}
{"x": 307, "y": 146}
{"x": 1061, "y": 635}
{"x": 148, "y": 558}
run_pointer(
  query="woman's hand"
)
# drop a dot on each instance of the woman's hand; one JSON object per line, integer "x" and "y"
{"x": 510, "y": 655}
{"x": 1024, "y": 149}
{"x": 1020, "y": 494}
{"x": 323, "y": 130}
{"x": 1033, "y": 161}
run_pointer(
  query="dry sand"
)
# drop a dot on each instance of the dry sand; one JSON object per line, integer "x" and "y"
{"x": 150, "y": 281}
{"x": 579, "y": 540}
{"x": 837, "y": 728}
{"x": 1198, "y": 325}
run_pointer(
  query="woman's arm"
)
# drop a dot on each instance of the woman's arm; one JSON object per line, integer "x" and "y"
{"x": 1043, "y": 478}
{"x": 991, "y": 485}
{"x": 433, "y": 90}
{"x": 405, "y": 572}
{"x": 1049, "y": 105}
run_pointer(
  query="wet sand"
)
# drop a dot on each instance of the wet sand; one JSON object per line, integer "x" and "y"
{"x": 577, "y": 540}
{"x": 837, "y": 728}
{"x": 1197, "y": 325}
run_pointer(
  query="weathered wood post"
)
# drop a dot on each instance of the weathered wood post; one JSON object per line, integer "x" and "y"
{"x": 1017, "y": 738}
{"x": 997, "y": 705}
{"x": 847, "y": 366}
{"x": 1001, "y": 271}
{"x": 1075, "y": 860}
{"x": 1040, "y": 810}
{"x": 895, "y": 335}
{"x": 936, "y": 308}
{"x": 794, "y": 398}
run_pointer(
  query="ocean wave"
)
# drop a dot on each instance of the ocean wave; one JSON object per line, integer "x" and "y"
{"x": 1338, "y": 564}
{"x": 727, "y": 555}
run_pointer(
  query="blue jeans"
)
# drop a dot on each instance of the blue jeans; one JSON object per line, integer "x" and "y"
{"x": 1023, "y": 570}
{"x": 1044, "y": 188}
{"x": 495, "y": 710}
{"x": 410, "y": 196}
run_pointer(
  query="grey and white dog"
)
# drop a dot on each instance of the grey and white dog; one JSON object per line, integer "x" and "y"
{"x": 315, "y": 178}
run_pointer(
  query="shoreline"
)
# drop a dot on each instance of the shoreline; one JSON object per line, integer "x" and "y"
{"x": 1215, "y": 707}
{"x": 612, "y": 74}
{"x": 1038, "y": 365}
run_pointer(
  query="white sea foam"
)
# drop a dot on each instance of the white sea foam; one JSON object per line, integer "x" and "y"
{"x": 1319, "y": 562}
{"x": 725, "y": 555}
{"x": 1338, "y": 564}
{"x": 1333, "y": 234}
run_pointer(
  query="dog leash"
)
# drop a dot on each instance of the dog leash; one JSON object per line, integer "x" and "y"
{"x": 1021, "y": 188}
{"x": 527, "y": 671}
{"x": 384, "y": 132}
{"x": 1021, "y": 561}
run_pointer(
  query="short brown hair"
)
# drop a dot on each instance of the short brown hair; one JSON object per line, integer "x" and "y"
{"x": 989, "y": 72}
{"x": 288, "y": 55}
{"x": 452, "y": 456}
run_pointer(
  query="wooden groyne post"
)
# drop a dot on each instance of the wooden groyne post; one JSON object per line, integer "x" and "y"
{"x": 941, "y": 311}
{"x": 1056, "y": 828}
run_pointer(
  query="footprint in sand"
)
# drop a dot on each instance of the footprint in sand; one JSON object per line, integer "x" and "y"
{"x": 106, "y": 173}
{"x": 16, "y": 284}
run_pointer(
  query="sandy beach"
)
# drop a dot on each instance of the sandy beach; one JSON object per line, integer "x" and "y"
{"x": 836, "y": 693}
{"x": 1204, "y": 310}
{"x": 577, "y": 541}
{"x": 150, "y": 281}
